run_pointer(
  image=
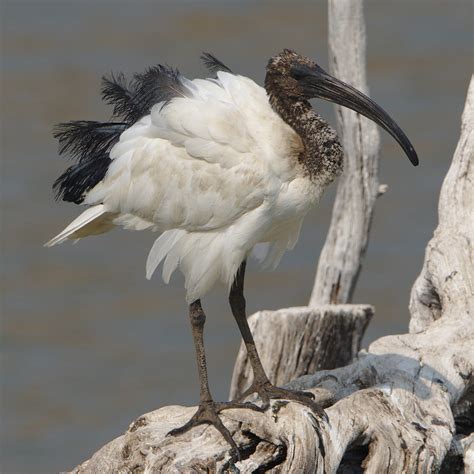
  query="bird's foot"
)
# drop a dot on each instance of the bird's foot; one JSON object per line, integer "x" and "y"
{"x": 208, "y": 412}
{"x": 268, "y": 392}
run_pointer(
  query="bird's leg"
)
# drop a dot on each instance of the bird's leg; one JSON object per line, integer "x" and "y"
{"x": 261, "y": 384}
{"x": 208, "y": 409}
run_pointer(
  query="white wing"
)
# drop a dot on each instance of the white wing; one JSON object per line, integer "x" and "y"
{"x": 215, "y": 171}
{"x": 200, "y": 162}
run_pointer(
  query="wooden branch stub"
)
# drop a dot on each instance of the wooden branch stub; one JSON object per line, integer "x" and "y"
{"x": 296, "y": 341}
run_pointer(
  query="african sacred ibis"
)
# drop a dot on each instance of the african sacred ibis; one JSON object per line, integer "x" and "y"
{"x": 218, "y": 166}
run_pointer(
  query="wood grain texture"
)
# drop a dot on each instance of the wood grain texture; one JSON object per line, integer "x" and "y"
{"x": 447, "y": 278}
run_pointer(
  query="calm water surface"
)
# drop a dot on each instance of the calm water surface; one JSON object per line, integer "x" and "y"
{"x": 88, "y": 343}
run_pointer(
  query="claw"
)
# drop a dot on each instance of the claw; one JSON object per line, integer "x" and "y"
{"x": 208, "y": 412}
{"x": 309, "y": 395}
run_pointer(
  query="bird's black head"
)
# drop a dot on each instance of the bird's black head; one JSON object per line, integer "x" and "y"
{"x": 299, "y": 78}
{"x": 279, "y": 78}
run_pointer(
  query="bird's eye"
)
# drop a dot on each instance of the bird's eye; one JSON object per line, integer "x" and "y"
{"x": 298, "y": 71}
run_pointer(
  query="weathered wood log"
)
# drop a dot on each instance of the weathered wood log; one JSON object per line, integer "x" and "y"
{"x": 297, "y": 341}
{"x": 346, "y": 242}
{"x": 402, "y": 406}
{"x": 404, "y": 417}
{"x": 446, "y": 280}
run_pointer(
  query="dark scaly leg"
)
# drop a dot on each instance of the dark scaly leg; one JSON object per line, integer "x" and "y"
{"x": 261, "y": 384}
{"x": 208, "y": 409}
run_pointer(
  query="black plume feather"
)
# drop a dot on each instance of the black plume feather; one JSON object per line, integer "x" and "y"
{"x": 90, "y": 143}
{"x": 131, "y": 101}
{"x": 213, "y": 64}
{"x": 82, "y": 139}
{"x": 157, "y": 84}
{"x": 74, "y": 183}
{"x": 118, "y": 93}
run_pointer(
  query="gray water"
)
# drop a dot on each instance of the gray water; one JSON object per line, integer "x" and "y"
{"x": 89, "y": 344}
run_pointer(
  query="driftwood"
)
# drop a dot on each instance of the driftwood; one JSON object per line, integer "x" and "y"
{"x": 340, "y": 261}
{"x": 405, "y": 405}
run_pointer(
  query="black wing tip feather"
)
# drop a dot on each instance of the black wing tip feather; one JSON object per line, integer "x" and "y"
{"x": 131, "y": 100}
{"x": 116, "y": 91}
{"x": 74, "y": 183}
{"x": 82, "y": 139}
{"x": 159, "y": 83}
{"x": 89, "y": 142}
{"x": 213, "y": 64}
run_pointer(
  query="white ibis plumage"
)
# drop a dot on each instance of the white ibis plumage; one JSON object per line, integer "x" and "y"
{"x": 218, "y": 166}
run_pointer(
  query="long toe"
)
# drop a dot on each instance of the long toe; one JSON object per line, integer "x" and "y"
{"x": 304, "y": 398}
{"x": 267, "y": 391}
{"x": 182, "y": 429}
{"x": 306, "y": 394}
{"x": 310, "y": 403}
{"x": 257, "y": 388}
{"x": 220, "y": 406}
{"x": 208, "y": 413}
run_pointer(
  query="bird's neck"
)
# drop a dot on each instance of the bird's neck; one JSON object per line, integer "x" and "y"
{"x": 322, "y": 157}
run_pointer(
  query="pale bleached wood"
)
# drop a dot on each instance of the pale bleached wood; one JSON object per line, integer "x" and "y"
{"x": 396, "y": 399}
{"x": 296, "y": 341}
{"x": 447, "y": 275}
{"x": 346, "y": 242}
{"x": 392, "y": 410}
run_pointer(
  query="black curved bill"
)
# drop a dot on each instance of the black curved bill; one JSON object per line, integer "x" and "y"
{"x": 318, "y": 83}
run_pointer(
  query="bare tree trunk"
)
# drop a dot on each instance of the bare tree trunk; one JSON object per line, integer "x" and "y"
{"x": 405, "y": 405}
{"x": 346, "y": 242}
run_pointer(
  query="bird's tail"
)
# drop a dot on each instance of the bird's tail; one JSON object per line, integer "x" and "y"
{"x": 92, "y": 221}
